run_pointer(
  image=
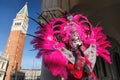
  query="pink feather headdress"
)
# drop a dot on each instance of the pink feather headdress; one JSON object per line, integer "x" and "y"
{"x": 55, "y": 40}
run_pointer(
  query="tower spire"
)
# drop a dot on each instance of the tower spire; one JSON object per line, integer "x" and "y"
{"x": 24, "y": 10}
{"x": 26, "y": 3}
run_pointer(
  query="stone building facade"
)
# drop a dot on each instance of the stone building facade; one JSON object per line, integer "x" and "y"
{"x": 31, "y": 74}
{"x": 3, "y": 66}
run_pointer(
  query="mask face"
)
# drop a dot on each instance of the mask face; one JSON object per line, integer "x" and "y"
{"x": 76, "y": 41}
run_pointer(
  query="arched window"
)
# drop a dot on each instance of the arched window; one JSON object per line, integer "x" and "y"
{"x": 115, "y": 68}
{"x": 100, "y": 69}
{"x": 117, "y": 63}
{"x": 103, "y": 68}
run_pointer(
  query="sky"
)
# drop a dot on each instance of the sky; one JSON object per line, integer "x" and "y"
{"x": 8, "y": 11}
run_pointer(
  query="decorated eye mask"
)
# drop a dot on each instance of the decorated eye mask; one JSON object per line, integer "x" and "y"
{"x": 76, "y": 39}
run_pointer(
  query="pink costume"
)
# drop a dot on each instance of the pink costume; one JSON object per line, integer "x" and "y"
{"x": 69, "y": 46}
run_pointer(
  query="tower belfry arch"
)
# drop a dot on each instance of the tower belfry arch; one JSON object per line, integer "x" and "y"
{"x": 15, "y": 44}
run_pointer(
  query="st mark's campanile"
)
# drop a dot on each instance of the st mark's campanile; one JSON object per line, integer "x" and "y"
{"x": 15, "y": 44}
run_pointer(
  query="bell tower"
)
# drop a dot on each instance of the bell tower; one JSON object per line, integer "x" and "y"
{"x": 15, "y": 44}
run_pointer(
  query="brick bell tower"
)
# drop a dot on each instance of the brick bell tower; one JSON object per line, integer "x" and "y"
{"x": 15, "y": 44}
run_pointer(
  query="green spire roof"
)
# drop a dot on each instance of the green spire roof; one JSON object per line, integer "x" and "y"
{"x": 24, "y": 10}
